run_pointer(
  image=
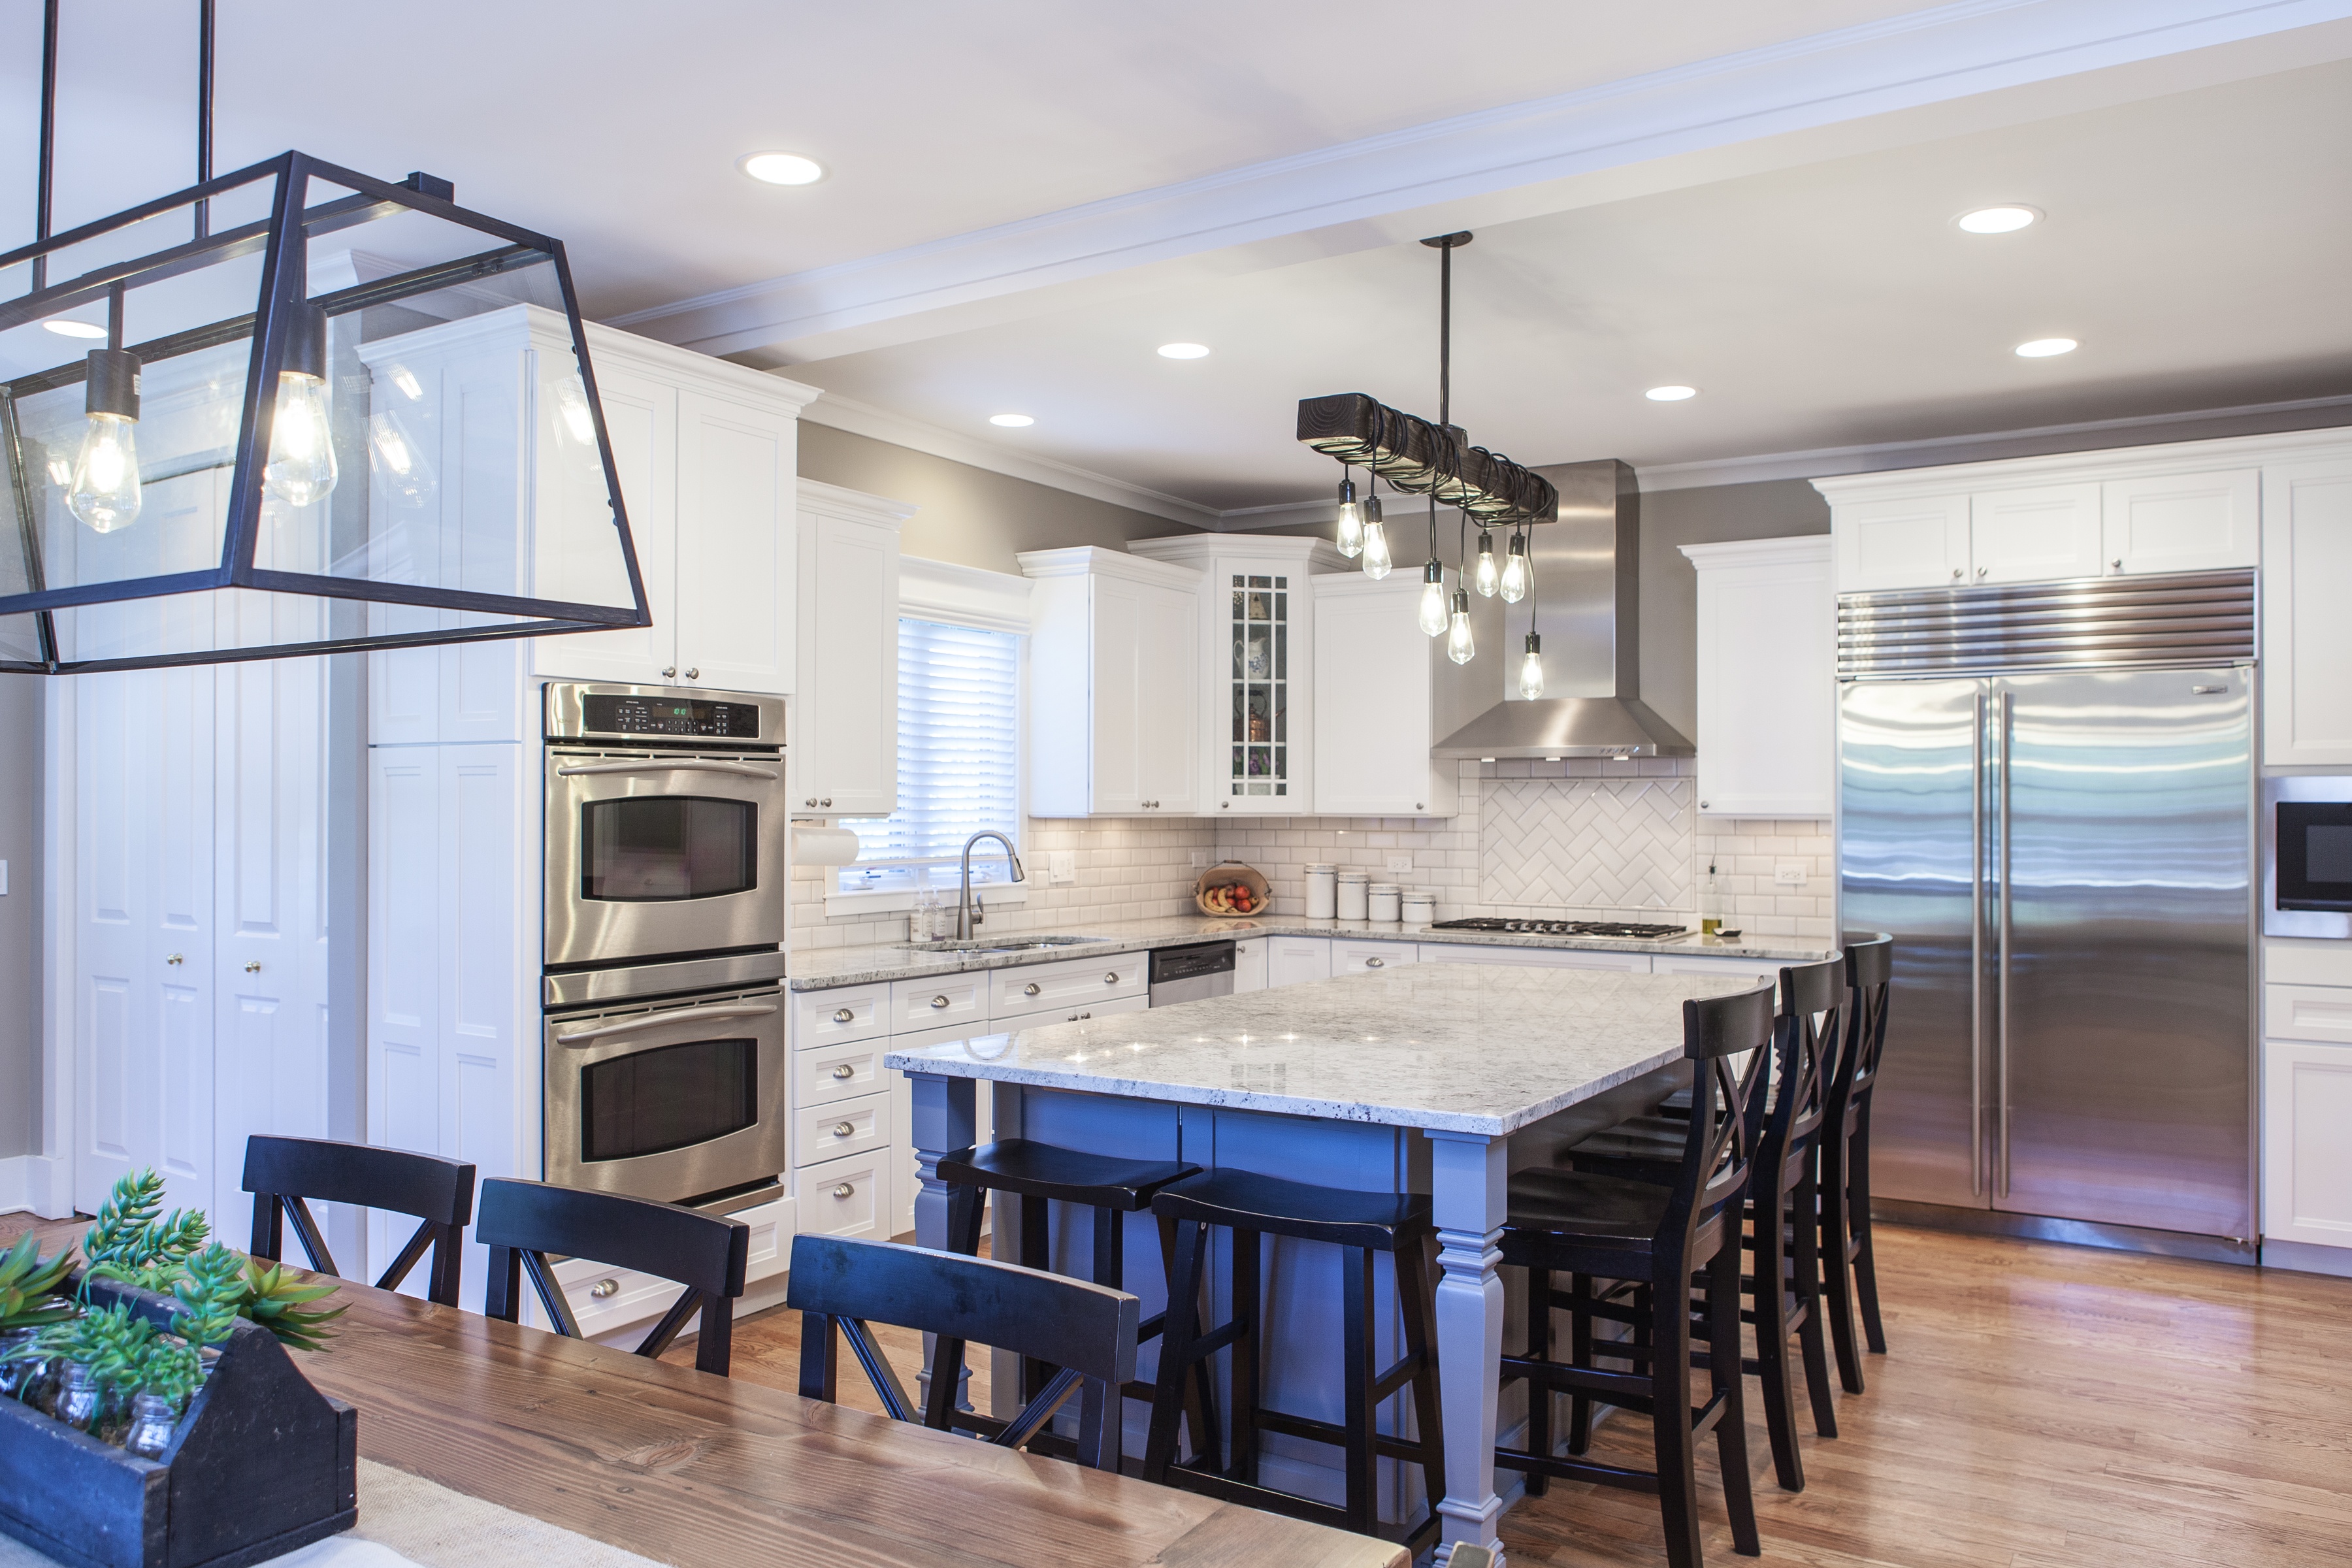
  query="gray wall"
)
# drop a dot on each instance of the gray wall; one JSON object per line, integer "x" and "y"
{"x": 20, "y": 915}
{"x": 970, "y": 517}
{"x": 1775, "y": 509}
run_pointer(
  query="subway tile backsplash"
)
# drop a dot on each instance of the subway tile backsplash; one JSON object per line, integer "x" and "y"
{"x": 1583, "y": 839}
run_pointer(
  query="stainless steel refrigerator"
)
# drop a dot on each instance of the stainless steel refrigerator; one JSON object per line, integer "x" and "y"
{"x": 2063, "y": 846}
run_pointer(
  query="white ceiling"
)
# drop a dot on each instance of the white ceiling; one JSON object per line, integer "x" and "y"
{"x": 1025, "y": 200}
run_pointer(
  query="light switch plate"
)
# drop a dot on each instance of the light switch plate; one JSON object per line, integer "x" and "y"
{"x": 1061, "y": 867}
{"x": 1788, "y": 873}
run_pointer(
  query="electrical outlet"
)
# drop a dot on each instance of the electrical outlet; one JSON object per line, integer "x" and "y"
{"x": 1788, "y": 873}
{"x": 1061, "y": 867}
{"x": 1401, "y": 864}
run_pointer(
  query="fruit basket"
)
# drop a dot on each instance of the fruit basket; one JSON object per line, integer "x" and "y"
{"x": 1231, "y": 888}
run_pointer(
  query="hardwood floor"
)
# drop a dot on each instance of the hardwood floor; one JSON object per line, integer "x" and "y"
{"x": 2041, "y": 1407}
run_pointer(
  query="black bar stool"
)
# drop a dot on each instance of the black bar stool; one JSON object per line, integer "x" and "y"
{"x": 1657, "y": 1235}
{"x": 1852, "y": 1268}
{"x": 1112, "y": 1188}
{"x": 1249, "y": 1207}
{"x": 282, "y": 1173}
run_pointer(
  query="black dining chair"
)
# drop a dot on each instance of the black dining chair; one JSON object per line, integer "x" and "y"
{"x": 1850, "y": 1265}
{"x": 840, "y": 1285}
{"x": 522, "y": 1222}
{"x": 284, "y": 1173}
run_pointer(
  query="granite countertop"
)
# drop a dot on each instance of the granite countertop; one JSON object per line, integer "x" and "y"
{"x": 1461, "y": 1047}
{"x": 821, "y": 968}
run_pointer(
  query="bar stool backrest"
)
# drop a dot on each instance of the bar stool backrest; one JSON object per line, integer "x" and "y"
{"x": 1869, "y": 970}
{"x": 840, "y": 1283}
{"x": 1727, "y": 1041}
{"x": 283, "y": 1173}
{"x": 1809, "y": 1038}
{"x": 522, "y": 1222}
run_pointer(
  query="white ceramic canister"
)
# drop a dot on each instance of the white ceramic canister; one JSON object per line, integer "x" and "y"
{"x": 1322, "y": 893}
{"x": 1420, "y": 907}
{"x": 1351, "y": 891}
{"x": 1385, "y": 901}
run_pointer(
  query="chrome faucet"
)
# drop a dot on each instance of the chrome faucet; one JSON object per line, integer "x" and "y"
{"x": 968, "y": 911}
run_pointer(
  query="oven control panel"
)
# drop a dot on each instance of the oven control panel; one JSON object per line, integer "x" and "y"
{"x": 577, "y": 710}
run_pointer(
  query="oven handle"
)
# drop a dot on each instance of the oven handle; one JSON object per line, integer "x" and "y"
{"x": 663, "y": 1020}
{"x": 741, "y": 770}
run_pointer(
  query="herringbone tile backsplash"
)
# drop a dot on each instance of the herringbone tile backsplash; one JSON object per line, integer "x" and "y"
{"x": 1597, "y": 843}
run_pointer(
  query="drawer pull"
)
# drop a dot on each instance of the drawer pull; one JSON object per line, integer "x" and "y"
{"x": 604, "y": 1288}
{"x": 1032, "y": 989}
{"x": 1112, "y": 978}
{"x": 939, "y": 1001}
{"x": 844, "y": 1071}
{"x": 845, "y": 1128}
{"x": 845, "y": 1015}
{"x": 1376, "y": 963}
{"x": 845, "y": 1190}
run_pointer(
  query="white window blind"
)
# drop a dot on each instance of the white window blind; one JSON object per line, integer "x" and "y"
{"x": 959, "y": 758}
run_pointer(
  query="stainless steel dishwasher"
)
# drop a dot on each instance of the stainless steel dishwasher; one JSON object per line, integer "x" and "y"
{"x": 1190, "y": 974}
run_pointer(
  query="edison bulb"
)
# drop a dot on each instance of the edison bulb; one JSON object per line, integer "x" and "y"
{"x": 1488, "y": 575}
{"x": 1376, "y": 550}
{"x": 1516, "y": 573}
{"x": 105, "y": 494}
{"x": 1531, "y": 668}
{"x": 1433, "y": 600}
{"x": 301, "y": 449}
{"x": 1351, "y": 522}
{"x": 1459, "y": 645}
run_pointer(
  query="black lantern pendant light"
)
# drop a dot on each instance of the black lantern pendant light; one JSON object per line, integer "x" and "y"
{"x": 332, "y": 413}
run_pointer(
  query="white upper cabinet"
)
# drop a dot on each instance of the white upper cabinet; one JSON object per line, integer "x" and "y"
{"x": 2182, "y": 522}
{"x": 1114, "y": 714}
{"x": 1908, "y": 542}
{"x": 1376, "y": 709}
{"x": 845, "y": 731}
{"x": 2031, "y": 535}
{"x": 1257, "y": 746}
{"x": 2306, "y": 634}
{"x": 1767, "y": 677}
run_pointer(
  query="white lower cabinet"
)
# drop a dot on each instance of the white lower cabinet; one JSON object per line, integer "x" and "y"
{"x": 1291, "y": 958}
{"x": 849, "y": 1196}
{"x": 1765, "y": 969}
{"x": 1249, "y": 962}
{"x": 2307, "y": 1142}
{"x": 841, "y": 1128}
{"x": 1370, "y": 957}
{"x": 1067, "y": 986}
{"x": 1533, "y": 957}
{"x": 622, "y": 1301}
{"x": 937, "y": 1001}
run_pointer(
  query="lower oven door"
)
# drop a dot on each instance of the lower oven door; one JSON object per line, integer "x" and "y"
{"x": 673, "y": 1102}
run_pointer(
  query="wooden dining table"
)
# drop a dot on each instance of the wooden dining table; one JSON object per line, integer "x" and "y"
{"x": 703, "y": 1471}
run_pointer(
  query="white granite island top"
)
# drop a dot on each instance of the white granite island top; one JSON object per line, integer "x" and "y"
{"x": 1458, "y": 1047}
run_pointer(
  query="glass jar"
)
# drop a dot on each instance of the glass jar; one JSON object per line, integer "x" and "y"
{"x": 23, "y": 1371}
{"x": 81, "y": 1400}
{"x": 152, "y": 1420}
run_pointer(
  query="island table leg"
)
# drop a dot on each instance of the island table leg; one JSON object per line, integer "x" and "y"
{"x": 947, "y": 1119}
{"x": 1468, "y": 1178}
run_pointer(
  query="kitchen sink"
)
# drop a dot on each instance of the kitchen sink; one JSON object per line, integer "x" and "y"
{"x": 1012, "y": 944}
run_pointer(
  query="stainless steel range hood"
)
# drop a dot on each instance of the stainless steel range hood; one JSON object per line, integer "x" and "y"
{"x": 1588, "y": 611}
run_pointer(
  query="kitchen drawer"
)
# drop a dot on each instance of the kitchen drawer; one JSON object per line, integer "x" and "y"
{"x": 829, "y": 1073}
{"x": 1533, "y": 957}
{"x": 631, "y": 1300}
{"x": 1066, "y": 986}
{"x": 846, "y": 1127}
{"x": 1370, "y": 957}
{"x": 848, "y": 1012}
{"x": 2317, "y": 1013}
{"x": 2307, "y": 962}
{"x": 941, "y": 1000}
{"x": 846, "y": 1197}
{"x": 1108, "y": 1007}
{"x": 1765, "y": 969}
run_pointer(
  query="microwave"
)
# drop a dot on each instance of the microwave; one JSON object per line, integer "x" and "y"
{"x": 2307, "y": 857}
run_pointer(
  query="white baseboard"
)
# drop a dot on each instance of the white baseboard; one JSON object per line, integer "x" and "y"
{"x": 35, "y": 1183}
{"x": 2304, "y": 1258}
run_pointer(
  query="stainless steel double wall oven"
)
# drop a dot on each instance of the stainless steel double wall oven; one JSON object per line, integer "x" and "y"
{"x": 664, "y": 957}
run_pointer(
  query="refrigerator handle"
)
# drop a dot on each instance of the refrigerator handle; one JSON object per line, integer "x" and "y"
{"x": 1976, "y": 951}
{"x": 2000, "y": 978}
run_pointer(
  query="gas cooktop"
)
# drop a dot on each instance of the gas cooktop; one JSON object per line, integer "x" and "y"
{"x": 1562, "y": 928}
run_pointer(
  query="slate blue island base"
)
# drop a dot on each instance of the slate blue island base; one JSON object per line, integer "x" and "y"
{"x": 1438, "y": 1078}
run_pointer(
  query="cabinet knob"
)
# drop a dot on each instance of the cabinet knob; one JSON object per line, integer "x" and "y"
{"x": 826, "y": 800}
{"x": 1076, "y": 1017}
{"x": 1982, "y": 570}
{"x": 1376, "y": 963}
{"x": 1032, "y": 989}
{"x": 175, "y": 958}
{"x": 604, "y": 1288}
{"x": 668, "y": 671}
{"x": 812, "y": 800}
{"x": 2118, "y": 563}
{"x": 253, "y": 966}
{"x": 1112, "y": 978}
{"x": 844, "y": 1071}
{"x": 843, "y": 1190}
{"x": 1956, "y": 573}
{"x": 1702, "y": 805}
{"x": 692, "y": 673}
{"x": 939, "y": 1001}
{"x": 845, "y": 1015}
{"x": 1421, "y": 806}
{"x": 845, "y": 1128}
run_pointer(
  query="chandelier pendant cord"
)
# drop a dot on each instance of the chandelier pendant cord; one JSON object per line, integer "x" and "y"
{"x": 46, "y": 182}
{"x": 204, "y": 112}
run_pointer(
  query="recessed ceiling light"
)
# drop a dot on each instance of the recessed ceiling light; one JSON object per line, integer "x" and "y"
{"x": 1670, "y": 394}
{"x": 1998, "y": 220}
{"x": 2042, "y": 348}
{"x": 1183, "y": 351}
{"x": 66, "y": 326}
{"x": 1011, "y": 421}
{"x": 782, "y": 168}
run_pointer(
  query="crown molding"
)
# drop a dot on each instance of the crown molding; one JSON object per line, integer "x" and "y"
{"x": 1930, "y": 56}
{"x": 2085, "y": 465}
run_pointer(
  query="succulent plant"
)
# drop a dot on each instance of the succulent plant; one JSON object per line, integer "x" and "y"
{"x": 111, "y": 1342}
{"x": 171, "y": 1368}
{"x": 211, "y": 1291}
{"x": 131, "y": 1243}
{"x": 275, "y": 1299}
{"x": 28, "y": 1286}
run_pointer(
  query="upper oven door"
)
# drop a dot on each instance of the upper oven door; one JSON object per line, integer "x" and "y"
{"x": 658, "y": 857}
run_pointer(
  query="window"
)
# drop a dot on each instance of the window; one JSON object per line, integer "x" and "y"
{"x": 958, "y": 761}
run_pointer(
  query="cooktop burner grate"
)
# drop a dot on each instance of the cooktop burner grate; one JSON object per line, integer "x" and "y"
{"x": 1562, "y": 928}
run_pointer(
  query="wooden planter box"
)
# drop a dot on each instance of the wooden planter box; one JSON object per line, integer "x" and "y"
{"x": 262, "y": 1463}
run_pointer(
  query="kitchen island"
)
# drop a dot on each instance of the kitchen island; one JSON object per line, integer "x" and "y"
{"x": 1439, "y": 1078}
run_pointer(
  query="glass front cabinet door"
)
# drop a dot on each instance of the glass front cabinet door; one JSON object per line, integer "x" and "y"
{"x": 1257, "y": 683}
